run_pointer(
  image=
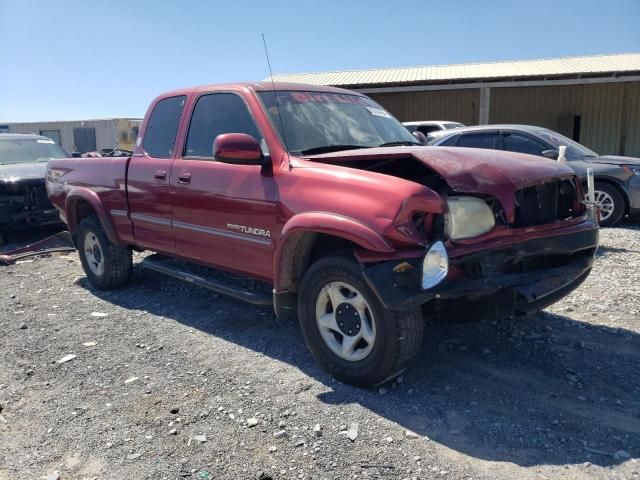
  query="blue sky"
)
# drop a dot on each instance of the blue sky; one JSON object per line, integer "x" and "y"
{"x": 79, "y": 59}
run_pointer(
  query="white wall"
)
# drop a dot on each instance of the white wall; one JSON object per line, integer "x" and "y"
{"x": 106, "y": 131}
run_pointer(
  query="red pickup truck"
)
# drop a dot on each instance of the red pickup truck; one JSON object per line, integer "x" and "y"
{"x": 333, "y": 210}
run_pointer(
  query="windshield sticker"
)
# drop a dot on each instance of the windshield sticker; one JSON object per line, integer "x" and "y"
{"x": 46, "y": 141}
{"x": 319, "y": 97}
{"x": 378, "y": 112}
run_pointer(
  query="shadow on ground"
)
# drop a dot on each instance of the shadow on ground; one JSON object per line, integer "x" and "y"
{"x": 544, "y": 390}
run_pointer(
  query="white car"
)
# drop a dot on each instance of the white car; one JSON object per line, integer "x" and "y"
{"x": 429, "y": 126}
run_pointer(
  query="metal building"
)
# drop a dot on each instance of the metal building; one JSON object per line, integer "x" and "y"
{"x": 594, "y": 99}
{"x": 83, "y": 135}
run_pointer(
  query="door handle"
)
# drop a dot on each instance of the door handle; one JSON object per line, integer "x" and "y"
{"x": 184, "y": 178}
{"x": 160, "y": 175}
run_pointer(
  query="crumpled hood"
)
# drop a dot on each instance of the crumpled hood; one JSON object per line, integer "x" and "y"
{"x": 470, "y": 170}
{"x": 613, "y": 160}
{"x": 14, "y": 172}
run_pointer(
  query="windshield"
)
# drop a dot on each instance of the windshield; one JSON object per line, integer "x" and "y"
{"x": 19, "y": 150}
{"x": 317, "y": 122}
{"x": 449, "y": 126}
{"x": 574, "y": 149}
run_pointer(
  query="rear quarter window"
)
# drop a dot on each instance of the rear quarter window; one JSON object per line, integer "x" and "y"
{"x": 160, "y": 135}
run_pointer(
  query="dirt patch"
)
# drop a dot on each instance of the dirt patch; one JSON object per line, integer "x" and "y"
{"x": 555, "y": 395}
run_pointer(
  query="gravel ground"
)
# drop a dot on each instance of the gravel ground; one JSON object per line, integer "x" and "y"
{"x": 171, "y": 381}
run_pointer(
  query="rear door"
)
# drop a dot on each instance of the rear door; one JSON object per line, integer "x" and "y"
{"x": 148, "y": 177}
{"x": 223, "y": 214}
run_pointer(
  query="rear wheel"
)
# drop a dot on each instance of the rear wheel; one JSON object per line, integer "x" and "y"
{"x": 106, "y": 264}
{"x": 611, "y": 204}
{"x": 348, "y": 331}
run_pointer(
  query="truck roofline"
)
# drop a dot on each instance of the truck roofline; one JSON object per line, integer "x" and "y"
{"x": 258, "y": 87}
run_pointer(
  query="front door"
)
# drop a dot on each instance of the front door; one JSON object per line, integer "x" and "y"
{"x": 223, "y": 215}
{"x": 148, "y": 178}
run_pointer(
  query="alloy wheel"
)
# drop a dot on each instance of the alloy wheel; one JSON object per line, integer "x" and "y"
{"x": 345, "y": 320}
{"x": 606, "y": 204}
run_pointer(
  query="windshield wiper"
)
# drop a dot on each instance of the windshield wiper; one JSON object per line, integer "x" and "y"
{"x": 331, "y": 148}
{"x": 399, "y": 144}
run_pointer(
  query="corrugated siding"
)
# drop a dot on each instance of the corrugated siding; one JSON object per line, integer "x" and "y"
{"x": 454, "y": 105}
{"x": 628, "y": 62}
{"x": 631, "y": 120}
{"x": 599, "y": 105}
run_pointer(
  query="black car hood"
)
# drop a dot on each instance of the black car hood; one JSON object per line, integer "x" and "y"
{"x": 14, "y": 172}
{"x": 613, "y": 160}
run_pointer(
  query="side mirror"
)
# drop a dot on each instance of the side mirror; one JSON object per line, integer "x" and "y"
{"x": 238, "y": 149}
{"x": 552, "y": 154}
{"x": 421, "y": 137}
{"x": 75, "y": 155}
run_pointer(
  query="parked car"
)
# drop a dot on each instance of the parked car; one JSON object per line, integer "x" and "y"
{"x": 617, "y": 179}
{"x": 426, "y": 127}
{"x": 23, "y": 197}
{"x": 324, "y": 199}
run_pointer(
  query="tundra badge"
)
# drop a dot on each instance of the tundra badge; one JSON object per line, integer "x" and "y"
{"x": 249, "y": 230}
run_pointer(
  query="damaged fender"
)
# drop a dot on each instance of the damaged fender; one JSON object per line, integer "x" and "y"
{"x": 320, "y": 222}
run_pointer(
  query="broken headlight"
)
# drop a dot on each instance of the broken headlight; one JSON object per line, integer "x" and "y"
{"x": 467, "y": 217}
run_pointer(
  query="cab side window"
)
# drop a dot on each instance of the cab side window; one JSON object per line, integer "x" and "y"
{"x": 478, "y": 140}
{"x": 518, "y": 142}
{"x": 160, "y": 134}
{"x": 213, "y": 115}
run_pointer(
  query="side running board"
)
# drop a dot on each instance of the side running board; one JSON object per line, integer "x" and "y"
{"x": 204, "y": 277}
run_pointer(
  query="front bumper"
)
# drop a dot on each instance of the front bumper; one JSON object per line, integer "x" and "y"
{"x": 18, "y": 219}
{"x": 538, "y": 272}
{"x": 24, "y": 204}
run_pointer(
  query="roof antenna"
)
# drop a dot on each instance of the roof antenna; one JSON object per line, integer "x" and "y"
{"x": 275, "y": 93}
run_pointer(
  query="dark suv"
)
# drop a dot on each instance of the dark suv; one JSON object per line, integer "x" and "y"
{"x": 23, "y": 197}
{"x": 617, "y": 179}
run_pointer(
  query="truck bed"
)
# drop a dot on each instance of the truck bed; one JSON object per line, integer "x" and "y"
{"x": 103, "y": 185}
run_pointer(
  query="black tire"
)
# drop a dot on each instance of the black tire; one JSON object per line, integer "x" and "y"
{"x": 618, "y": 203}
{"x": 117, "y": 259}
{"x": 398, "y": 335}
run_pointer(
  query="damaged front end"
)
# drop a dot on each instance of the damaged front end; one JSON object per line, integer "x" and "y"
{"x": 24, "y": 204}
{"x": 521, "y": 247}
{"x": 534, "y": 273}
{"x": 495, "y": 227}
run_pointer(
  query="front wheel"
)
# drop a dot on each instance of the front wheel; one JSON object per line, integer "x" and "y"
{"x": 106, "y": 264}
{"x": 611, "y": 204}
{"x": 347, "y": 329}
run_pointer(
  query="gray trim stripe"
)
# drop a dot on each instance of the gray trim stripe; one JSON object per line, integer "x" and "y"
{"x": 222, "y": 233}
{"x": 119, "y": 213}
{"x": 150, "y": 219}
{"x": 194, "y": 228}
